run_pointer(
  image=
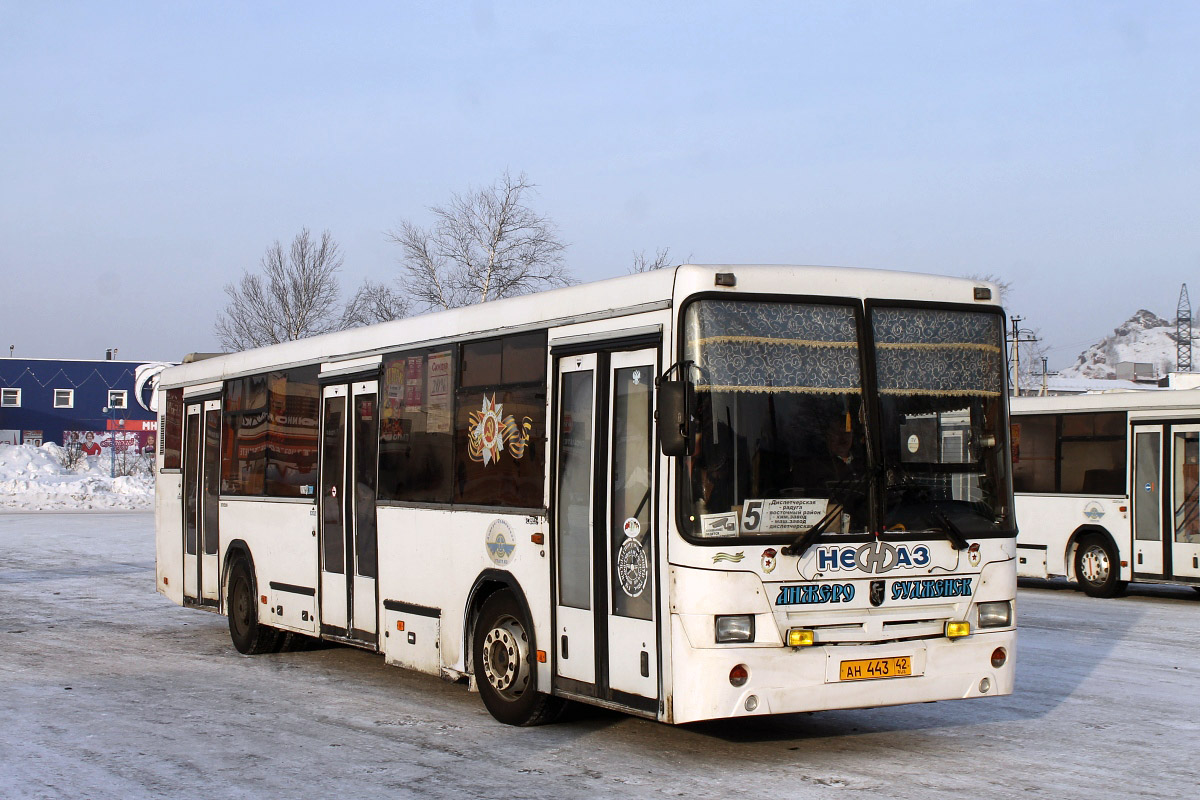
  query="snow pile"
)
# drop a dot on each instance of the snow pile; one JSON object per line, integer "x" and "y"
{"x": 34, "y": 478}
{"x": 1145, "y": 337}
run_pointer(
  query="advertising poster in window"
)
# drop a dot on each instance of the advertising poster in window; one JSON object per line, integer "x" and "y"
{"x": 439, "y": 392}
{"x": 414, "y": 384}
{"x": 390, "y": 423}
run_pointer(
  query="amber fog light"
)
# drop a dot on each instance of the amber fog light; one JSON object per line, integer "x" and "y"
{"x": 739, "y": 675}
{"x": 999, "y": 656}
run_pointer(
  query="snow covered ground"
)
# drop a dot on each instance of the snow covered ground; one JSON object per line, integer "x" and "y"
{"x": 107, "y": 690}
{"x": 34, "y": 479}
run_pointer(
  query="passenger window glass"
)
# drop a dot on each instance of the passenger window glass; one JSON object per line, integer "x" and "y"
{"x": 416, "y": 455}
{"x": 293, "y": 400}
{"x": 172, "y": 433}
{"x": 500, "y": 447}
{"x": 1187, "y": 487}
{"x": 481, "y": 363}
{"x": 1034, "y": 439}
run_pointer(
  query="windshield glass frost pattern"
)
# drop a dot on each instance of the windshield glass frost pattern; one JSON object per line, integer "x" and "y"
{"x": 779, "y": 440}
{"x": 773, "y": 347}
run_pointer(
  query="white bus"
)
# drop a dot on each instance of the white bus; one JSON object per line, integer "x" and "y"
{"x": 820, "y": 518}
{"x": 1106, "y": 488}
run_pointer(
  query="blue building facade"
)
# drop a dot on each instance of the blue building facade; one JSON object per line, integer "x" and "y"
{"x": 63, "y": 401}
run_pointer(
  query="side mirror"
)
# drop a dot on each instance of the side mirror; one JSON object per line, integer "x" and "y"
{"x": 676, "y": 403}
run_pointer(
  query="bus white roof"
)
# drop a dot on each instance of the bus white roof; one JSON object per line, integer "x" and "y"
{"x": 1136, "y": 400}
{"x": 628, "y": 294}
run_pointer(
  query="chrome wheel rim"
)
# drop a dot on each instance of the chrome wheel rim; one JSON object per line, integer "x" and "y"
{"x": 1094, "y": 565}
{"x": 505, "y": 665}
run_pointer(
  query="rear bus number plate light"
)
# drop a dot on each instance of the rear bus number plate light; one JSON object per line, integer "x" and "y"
{"x": 871, "y": 668}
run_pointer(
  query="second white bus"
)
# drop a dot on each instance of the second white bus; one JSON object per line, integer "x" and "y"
{"x": 1108, "y": 488}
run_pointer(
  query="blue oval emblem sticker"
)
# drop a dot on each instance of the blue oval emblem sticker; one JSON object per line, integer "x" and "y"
{"x": 500, "y": 543}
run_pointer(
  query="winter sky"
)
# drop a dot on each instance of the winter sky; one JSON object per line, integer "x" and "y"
{"x": 152, "y": 151}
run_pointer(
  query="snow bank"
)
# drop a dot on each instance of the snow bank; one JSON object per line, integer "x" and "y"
{"x": 34, "y": 479}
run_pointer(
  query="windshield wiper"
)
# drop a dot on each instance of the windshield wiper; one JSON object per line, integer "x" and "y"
{"x": 807, "y": 538}
{"x": 950, "y": 528}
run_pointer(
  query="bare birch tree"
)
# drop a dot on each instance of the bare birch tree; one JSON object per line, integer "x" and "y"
{"x": 295, "y": 296}
{"x": 483, "y": 245}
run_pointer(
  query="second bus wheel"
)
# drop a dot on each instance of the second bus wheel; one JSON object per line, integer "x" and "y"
{"x": 503, "y": 661}
{"x": 1096, "y": 567}
{"x": 249, "y": 636}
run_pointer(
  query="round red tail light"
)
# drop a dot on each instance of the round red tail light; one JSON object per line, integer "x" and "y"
{"x": 739, "y": 675}
{"x": 999, "y": 656}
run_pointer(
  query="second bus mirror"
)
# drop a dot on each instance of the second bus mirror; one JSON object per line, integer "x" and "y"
{"x": 676, "y": 404}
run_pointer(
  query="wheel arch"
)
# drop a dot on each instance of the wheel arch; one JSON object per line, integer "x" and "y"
{"x": 486, "y": 584}
{"x": 1077, "y": 536}
{"x": 236, "y": 549}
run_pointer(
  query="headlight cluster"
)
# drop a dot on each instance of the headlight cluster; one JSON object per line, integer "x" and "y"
{"x": 735, "y": 628}
{"x": 995, "y": 615}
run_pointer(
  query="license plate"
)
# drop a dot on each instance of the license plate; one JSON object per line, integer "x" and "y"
{"x": 867, "y": 669}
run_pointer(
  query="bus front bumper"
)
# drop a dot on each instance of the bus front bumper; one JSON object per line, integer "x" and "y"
{"x": 783, "y": 680}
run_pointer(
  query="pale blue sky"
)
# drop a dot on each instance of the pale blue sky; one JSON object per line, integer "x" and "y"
{"x": 151, "y": 151}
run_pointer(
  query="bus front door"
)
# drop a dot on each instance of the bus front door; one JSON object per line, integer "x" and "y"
{"x": 606, "y": 637}
{"x": 201, "y": 505}
{"x": 349, "y": 561}
{"x": 1185, "y": 501}
{"x": 1147, "y": 502}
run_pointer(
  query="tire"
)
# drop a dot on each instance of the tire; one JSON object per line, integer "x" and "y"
{"x": 249, "y": 636}
{"x": 502, "y": 657}
{"x": 1096, "y": 567}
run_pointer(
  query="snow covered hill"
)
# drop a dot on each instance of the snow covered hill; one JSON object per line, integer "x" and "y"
{"x": 1145, "y": 337}
{"x": 34, "y": 478}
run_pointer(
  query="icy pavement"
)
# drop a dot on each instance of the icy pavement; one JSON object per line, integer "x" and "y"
{"x": 34, "y": 478}
{"x": 109, "y": 691}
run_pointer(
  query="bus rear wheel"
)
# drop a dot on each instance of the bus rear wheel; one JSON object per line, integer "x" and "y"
{"x": 502, "y": 657}
{"x": 249, "y": 636}
{"x": 1096, "y": 567}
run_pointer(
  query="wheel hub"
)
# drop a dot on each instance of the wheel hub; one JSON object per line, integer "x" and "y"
{"x": 504, "y": 658}
{"x": 1095, "y": 565}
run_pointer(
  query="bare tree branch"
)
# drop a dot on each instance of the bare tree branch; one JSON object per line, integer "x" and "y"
{"x": 295, "y": 296}
{"x": 662, "y": 258}
{"x": 483, "y": 245}
{"x": 374, "y": 302}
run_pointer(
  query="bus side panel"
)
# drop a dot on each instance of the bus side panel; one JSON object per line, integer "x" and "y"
{"x": 168, "y": 535}
{"x": 431, "y": 558}
{"x": 1050, "y": 521}
{"x": 283, "y": 544}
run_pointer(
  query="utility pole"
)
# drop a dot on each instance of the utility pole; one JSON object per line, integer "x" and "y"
{"x": 1017, "y": 336}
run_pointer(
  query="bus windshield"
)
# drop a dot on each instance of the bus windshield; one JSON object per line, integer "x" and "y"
{"x": 940, "y": 376}
{"x": 783, "y": 439}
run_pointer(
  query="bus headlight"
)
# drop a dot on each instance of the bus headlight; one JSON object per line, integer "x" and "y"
{"x": 995, "y": 615}
{"x": 735, "y": 628}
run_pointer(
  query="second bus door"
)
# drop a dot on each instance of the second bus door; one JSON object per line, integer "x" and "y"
{"x": 349, "y": 561}
{"x": 606, "y": 642}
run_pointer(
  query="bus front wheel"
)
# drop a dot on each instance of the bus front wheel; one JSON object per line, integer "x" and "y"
{"x": 1096, "y": 567}
{"x": 503, "y": 660}
{"x": 249, "y": 636}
